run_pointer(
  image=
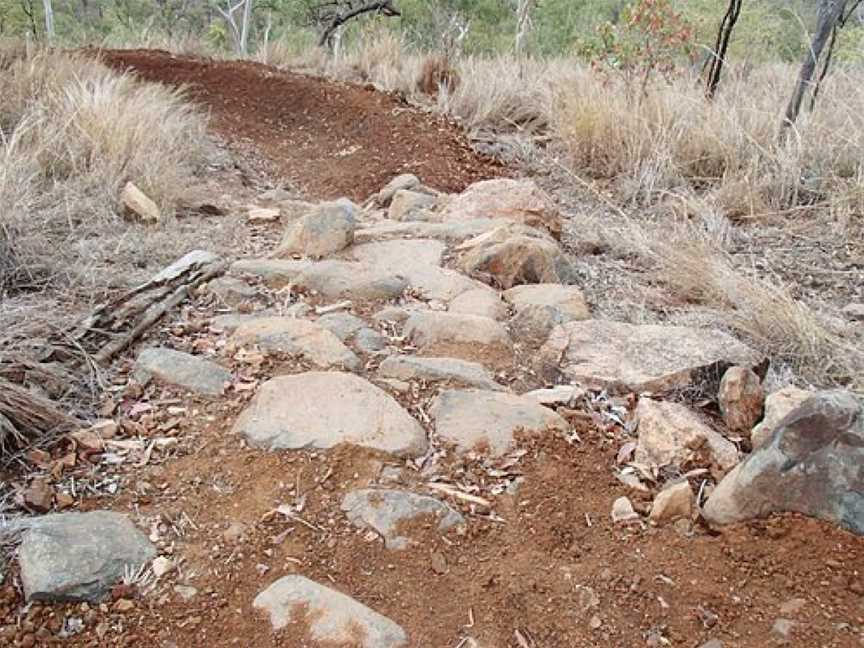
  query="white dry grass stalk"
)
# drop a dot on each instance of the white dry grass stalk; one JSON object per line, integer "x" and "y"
{"x": 73, "y": 132}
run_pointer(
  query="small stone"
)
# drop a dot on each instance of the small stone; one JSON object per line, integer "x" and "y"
{"x": 124, "y": 605}
{"x": 777, "y": 406}
{"x": 672, "y": 503}
{"x": 232, "y": 291}
{"x": 107, "y": 428}
{"x": 137, "y": 205}
{"x": 783, "y": 628}
{"x": 186, "y": 592}
{"x": 326, "y": 229}
{"x": 623, "y": 512}
{"x": 404, "y": 182}
{"x": 553, "y": 396}
{"x": 39, "y": 496}
{"x": 792, "y": 606}
{"x": 595, "y": 623}
{"x": 438, "y": 563}
{"x": 712, "y": 643}
{"x": 741, "y": 399}
{"x": 234, "y": 533}
{"x": 445, "y": 370}
{"x": 263, "y": 215}
{"x": 854, "y": 312}
{"x": 409, "y": 205}
{"x": 162, "y": 566}
{"x": 482, "y": 302}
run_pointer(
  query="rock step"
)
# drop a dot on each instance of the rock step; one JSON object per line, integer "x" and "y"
{"x": 447, "y": 370}
{"x": 325, "y": 409}
{"x": 182, "y": 370}
{"x": 329, "y": 617}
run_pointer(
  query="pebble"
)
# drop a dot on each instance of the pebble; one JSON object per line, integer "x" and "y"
{"x": 162, "y": 566}
{"x": 622, "y": 511}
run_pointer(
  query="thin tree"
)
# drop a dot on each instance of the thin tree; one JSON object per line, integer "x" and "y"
{"x": 830, "y": 55}
{"x": 829, "y": 15}
{"x": 523, "y": 23}
{"x": 239, "y": 32}
{"x": 721, "y": 46}
{"x": 332, "y": 15}
{"x": 49, "y": 20}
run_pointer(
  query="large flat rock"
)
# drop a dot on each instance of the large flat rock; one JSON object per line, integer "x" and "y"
{"x": 385, "y": 510}
{"x": 79, "y": 556}
{"x": 182, "y": 370}
{"x": 452, "y": 232}
{"x": 670, "y": 433}
{"x": 635, "y": 357}
{"x": 396, "y": 254}
{"x": 323, "y": 230}
{"x": 328, "y": 617}
{"x": 469, "y": 337}
{"x": 302, "y": 338}
{"x": 325, "y": 409}
{"x": 333, "y": 279}
{"x": 811, "y": 465}
{"x": 485, "y": 421}
{"x": 461, "y": 373}
{"x": 569, "y": 300}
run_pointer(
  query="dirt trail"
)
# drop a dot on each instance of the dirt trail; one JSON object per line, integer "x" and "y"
{"x": 327, "y": 139}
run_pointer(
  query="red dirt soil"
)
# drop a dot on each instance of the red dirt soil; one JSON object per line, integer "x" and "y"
{"x": 327, "y": 139}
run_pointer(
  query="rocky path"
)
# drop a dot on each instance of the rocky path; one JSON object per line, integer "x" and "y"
{"x": 403, "y": 428}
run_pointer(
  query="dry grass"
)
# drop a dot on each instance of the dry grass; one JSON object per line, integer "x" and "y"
{"x": 73, "y": 132}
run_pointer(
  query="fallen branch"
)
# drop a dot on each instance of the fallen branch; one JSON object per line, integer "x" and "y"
{"x": 26, "y": 417}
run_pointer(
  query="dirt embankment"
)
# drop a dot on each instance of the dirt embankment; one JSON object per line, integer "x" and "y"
{"x": 326, "y": 139}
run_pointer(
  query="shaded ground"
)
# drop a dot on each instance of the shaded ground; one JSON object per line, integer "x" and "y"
{"x": 326, "y": 139}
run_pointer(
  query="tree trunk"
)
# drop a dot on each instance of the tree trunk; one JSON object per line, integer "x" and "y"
{"x": 244, "y": 30}
{"x": 830, "y": 13}
{"x": 718, "y": 56}
{"x": 49, "y": 21}
{"x": 523, "y": 24}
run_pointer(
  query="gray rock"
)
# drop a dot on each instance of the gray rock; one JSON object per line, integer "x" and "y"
{"x": 712, "y": 643}
{"x": 410, "y": 206}
{"x": 231, "y": 291}
{"x": 79, "y": 556}
{"x": 397, "y": 314}
{"x": 510, "y": 256}
{"x": 479, "y": 301}
{"x": 631, "y": 357}
{"x": 462, "y": 336}
{"x": 342, "y": 325}
{"x": 670, "y": 434}
{"x": 453, "y": 232}
{"x": 447, "y": 370}
{"x": 777, "y": 406}
{"x": 324, "y": 409}
{"x": 558, "y": 395}
{"x": 355, "y": 281}
{"x": 182, "y": 370}
{"x": 404, "y": 182}
{"x": 811, "y": 465}
{"x": 232, "y": 321}
{"x": 854, "y": 312}
{"x": 486, "y": 421}
{"x": 332, "y": 618}
{"x": 370, "y": 341}
{"x": 297, "y": 337}
{"x": 568, "y": 301}
{"x": 533, "y": 324}
{"x": 326, "y": 229}
{"x": 276, "y": 273}
{"x": 383, "y": 510}
{"x": 399, "y": 254}
{"x": 517, "y": 201}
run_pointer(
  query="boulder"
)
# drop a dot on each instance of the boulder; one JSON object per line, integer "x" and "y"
{"x": 411, "y": 206}
{"x": 741, "y": 399}
{"x": 232, "y": 321}
{"x": 298, "y": 337}
{"x": 567, "y": 301}
{"x": 777, "y": 406}
{"x": 399, "y": 253}
{"x": 370, "y": 341}
{"x": 446, "y": 370}
{"x": 334, "y": 279}
{"x": 182, "y": 370}
{"x": 510, "y": 257}
{"x": 518, "y": 201}
{"x": 79, "y": 556}
{"x": 231, "y": 291}
{"x": 342, "y": 325}
{"x": 672, "y": 503}
{"x": 384, "y": 511}
{"x": 326, "y": 229}
{"x": 533, "y": 324}
{"x": 488, "y": 421}
{"x": 461, "y": 336}
{"x": 404, "y": 182}
{"x": 324, "y": 409}
{"x": 811, "y": 465}
{"x": 326, "y": 617}
{"x": 633, "y": 357}
{"x": 479, "y": 301}
{"x": 670, "y": 433}
{"x": 136, "y": 205}
{"x": 275, "y": 273}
